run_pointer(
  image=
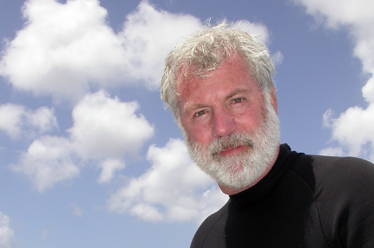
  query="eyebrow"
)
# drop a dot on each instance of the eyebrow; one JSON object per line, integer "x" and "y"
{"x": 235, "y": 92}
{"x": 192, "y": 107}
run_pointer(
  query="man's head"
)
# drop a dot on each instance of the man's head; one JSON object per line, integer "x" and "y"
{"x": 218, "y": 84}
{"x": 206, "y": 50}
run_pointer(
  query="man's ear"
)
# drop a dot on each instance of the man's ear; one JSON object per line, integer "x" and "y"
{"x": 273, "y": 99}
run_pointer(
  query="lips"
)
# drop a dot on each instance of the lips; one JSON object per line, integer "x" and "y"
{"x": 231, "y": 150}
{"x": 235, "y": 144}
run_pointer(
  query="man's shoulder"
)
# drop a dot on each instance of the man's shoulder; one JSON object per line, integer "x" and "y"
{"x": 331, "y": 167}
{"x": 322, "y": 160}
{"x": 343, "y": 194}
{"x": 210, "y": 228}
{"x": 336, "y": 175}
{"x": 342, "y": 168}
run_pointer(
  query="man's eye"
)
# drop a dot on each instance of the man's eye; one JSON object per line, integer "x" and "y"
{"x": 236, "y": 100}
{"x": 200, "y": 113}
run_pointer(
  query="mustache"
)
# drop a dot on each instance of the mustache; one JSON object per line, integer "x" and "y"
{"x": 233, "y": 141}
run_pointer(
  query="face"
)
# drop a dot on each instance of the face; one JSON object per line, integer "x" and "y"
{"x": 231, "y": 129}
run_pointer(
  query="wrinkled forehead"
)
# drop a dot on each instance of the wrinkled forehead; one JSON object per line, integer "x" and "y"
{"x": 186, "y": 75}
{"x": 190, "y": 72}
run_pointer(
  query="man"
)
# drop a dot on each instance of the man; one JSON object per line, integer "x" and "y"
{"x": 218, "y": 84}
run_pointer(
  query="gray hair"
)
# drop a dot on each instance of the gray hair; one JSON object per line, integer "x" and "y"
{"x": 205, "y": 51}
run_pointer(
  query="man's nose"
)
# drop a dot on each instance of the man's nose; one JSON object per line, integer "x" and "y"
{"x": 223, "y": 124}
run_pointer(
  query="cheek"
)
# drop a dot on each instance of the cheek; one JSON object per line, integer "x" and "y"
{"x": 199, "y": 135}
{"x": 249, "y": 122}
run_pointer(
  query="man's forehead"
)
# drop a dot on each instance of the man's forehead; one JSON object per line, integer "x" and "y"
{"x": 190, "y": 73}
{"x": 202, "y": 66}
{"x": 186, "y": 84}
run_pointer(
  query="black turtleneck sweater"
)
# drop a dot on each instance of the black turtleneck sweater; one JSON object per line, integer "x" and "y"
{"x": 304, "y": 201}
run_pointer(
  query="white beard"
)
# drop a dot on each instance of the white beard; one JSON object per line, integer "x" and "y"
{"x": 247, "y": 168}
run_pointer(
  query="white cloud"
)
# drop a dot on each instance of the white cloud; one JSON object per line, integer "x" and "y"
{"x": 6, "y": 233}
{"x": 105, "y": 127}
{"x": 368, "y": 91}
{"x": 64, "y": 49}
{"x": 104, "y": 131}
{"x": 353, "y": 129}
{"x": 257, "y": 30}
{"x": 10, "y": 119}
{"x": 327, "y": 119}
{"x": 43, "y": 119}
{"x": 109, "y": 167}
{"x": 173, "y": 189}
{"x": 331, "y": 151}
{"x": 18, "y": 121}
{"x": 277, "y": 58}
{"x": 76, "y": 209}
{"x": 338, "y": 13}
{"x": 61, "y": 48}
{"x": 148, "y": 35}
{"x": 47, "y": 161}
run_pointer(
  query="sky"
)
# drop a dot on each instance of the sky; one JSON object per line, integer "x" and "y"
{"x": 90, "y": 157}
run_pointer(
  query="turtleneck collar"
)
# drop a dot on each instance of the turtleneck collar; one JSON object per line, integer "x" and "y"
{"x": 263, "y": 188}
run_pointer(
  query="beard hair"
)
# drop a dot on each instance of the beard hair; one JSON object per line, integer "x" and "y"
{"x": 247, "y": 168}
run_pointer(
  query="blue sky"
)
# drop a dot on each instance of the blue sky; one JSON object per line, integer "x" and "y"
{"x": 89, "y": 155}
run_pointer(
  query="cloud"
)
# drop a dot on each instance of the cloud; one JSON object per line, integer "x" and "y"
{"x": 148, "y": 35}
{"x": 62, "y": 48}
{"x": 173, "y": 189}
{"x": 109, "y": 167}
{"x": 47, "y": 161}
{"x": 353, "y": 129}
{"x": 336, "y": 13}
{"x": 104, "y": 131}
{"x": 18, "y": 121}
{"x": 257, "y": 30}
{"x": 66, "y": 49}
{"x": 277, "y": 58}
{"x": 331, "y": 151}
{"x": 76, "y": 209}
{"x": 105, "y": 127}
{"x": 6, "y": 234}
